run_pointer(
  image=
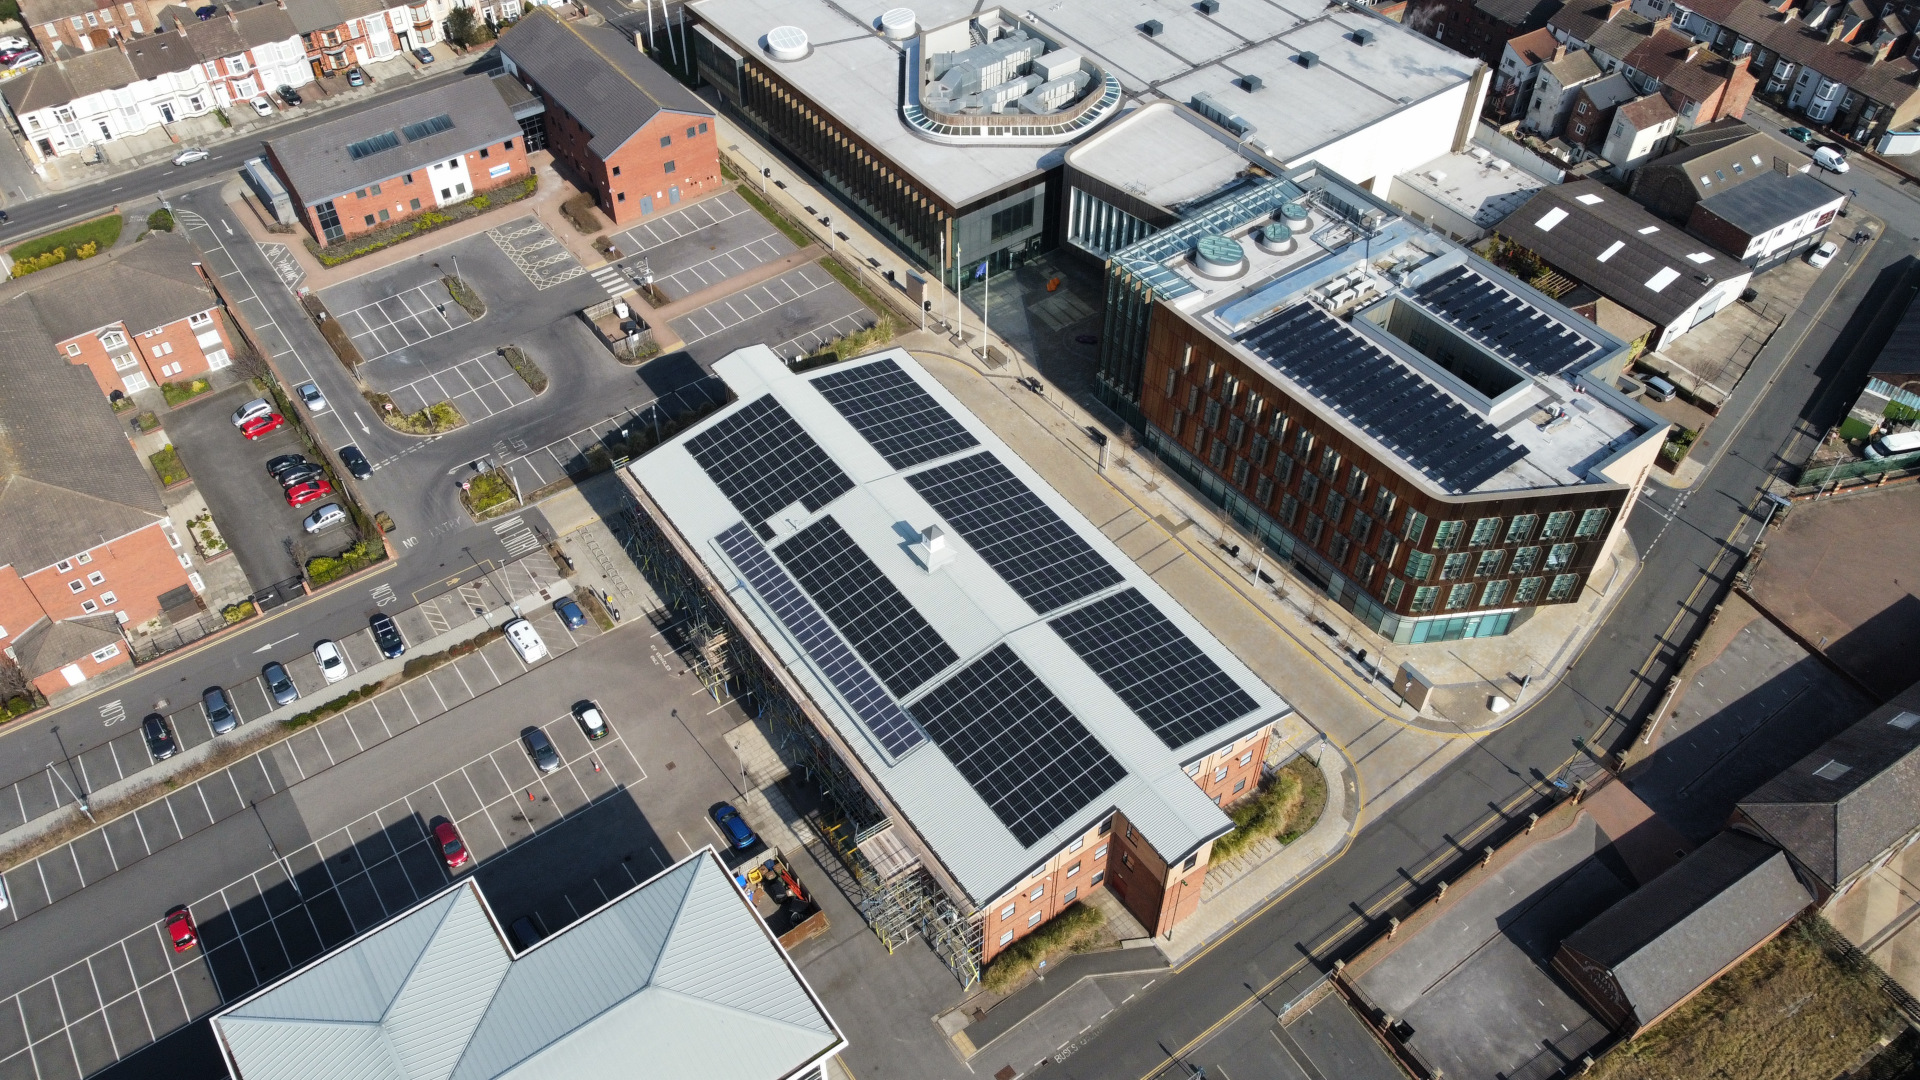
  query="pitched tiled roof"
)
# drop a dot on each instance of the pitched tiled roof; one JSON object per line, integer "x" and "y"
{"x": 36, "y": 12}
{"x": 1647, "y": 112}
{"x": 1582, "y": 18}
{"x": 311, "y": 15}
{"x": 1518, "y": 12}
{"x": 597, "y": 76}
{"x": 1715, "y": 166}
{"x": 49, "y": 644}
{"x": 63, "y": 80}
{"x": 1891, "y": 81}
{"x": 160, "y": 54}
{"x": 145, "y": 285}
{"x": 1620, "y": 37}
{"x": 1839, "y": 807}
{"x": 1574, "y": 68}
{"x": 1534, "y": 46}
{"x": 264, "y": 24}
{"x": 216, "y": 37}
{"x": 1661, "y": 53}
{"x": 318, "y": 164}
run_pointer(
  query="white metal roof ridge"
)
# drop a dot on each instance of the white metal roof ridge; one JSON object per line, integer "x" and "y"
{"x": 973, "y": 609}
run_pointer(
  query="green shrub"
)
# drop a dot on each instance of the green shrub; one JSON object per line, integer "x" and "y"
{"x": 166, "y": 462}
{"x": 1287, "y": 806}
{"x": 464, "y": 295}
{"x": 160, "y": 220}
{"x": 19, "y": 705}
{"x": 101, "y": 232}
{"x": 432, "y": 420}
{"x": 179, "y": 393}
{"x": 146, "y": 421}
{"x": 523, "y": 366}
{"x": 578, "y": 211}
{"x": 324, "y": 569}
{"x": 1070, "y": 931}
{"x": 487, "y": 491}
{"x": 33, "y": 263}
{"x": 239, "y": 612}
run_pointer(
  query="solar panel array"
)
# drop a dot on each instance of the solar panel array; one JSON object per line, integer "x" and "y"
{"x": 890, "y": 726}
{"x": 1023, "y": 751}
{"x": 1154, "y": 667}
{"x": 900, "y": 419}
{"x": 764, "y": 462}
{"x": 879, "y": 622}
{"x": 1028, "y": 544}
{"x": 1383, "y": 397}
{"x": 1503, "y": 322}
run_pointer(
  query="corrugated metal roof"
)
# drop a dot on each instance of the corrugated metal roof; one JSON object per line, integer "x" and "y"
{"x": 437, "y": 994}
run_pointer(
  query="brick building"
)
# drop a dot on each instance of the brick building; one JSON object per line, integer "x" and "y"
{"x": 84, "y": 543}
{"x": 140, "y": 315}
{"x": 400, "y": 159}
{"x": 70, "y": 27}
{"x": 1433, "y": 445}
{"x": 1479, "y": 28}
{"x": 632, "y": 134}
{"x": 1085, "y": 730}
{"x": 245, "y": 54}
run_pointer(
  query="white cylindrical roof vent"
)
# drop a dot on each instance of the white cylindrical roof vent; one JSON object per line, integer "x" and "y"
{"x": 787, "y": 43}
{"x": 1295, "y": 216}
{"x": 1275, "y": 239}
{"x": 898, "y": 24}
{"x": 1219, "y": 257}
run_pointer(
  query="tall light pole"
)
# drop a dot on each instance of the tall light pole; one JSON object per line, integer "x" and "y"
{"x": 79, "y": 786}
{"x": 271, "y": 846}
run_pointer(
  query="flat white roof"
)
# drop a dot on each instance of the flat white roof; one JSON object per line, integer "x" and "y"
{"x": 1160, "y": 153}
{"x": 1482, "y": 191}
{"x": 975, "y": 611}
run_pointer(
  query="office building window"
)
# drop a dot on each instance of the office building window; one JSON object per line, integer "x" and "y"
{"x": 1419, "y": 566}
{"x": 1006, "y": 913}
{"x": 1447, "y": 534}
{"x": 1493, "y": 594}
{"x": 1423, "y": 599}
{"x": 1489, "y": 563}
{"x": 1591, "y": 522}
{"x": 666, "y": 140}
{"x": 1459, "y": 596}
{"x": 1559, "y": 555}
{"x": 1033, "y": 920}
{"x": 1520, "y": 528}
{"x": 1070, "y": 896}
{"x": 1454, "y": 567}
{"x": 1556, "y": 526}
{"x": 1394, "y": 588}
{"x": 1006, "y": 937}
{"x": 1485, "y": 531}
{"x": 670, "y": 166}
{"x": 1012, "y": 219}
{"x": 1563, "y": 586}
{"x": 1528, "y": 592}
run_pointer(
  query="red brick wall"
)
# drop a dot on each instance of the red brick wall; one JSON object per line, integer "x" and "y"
{"x": 53, "y": 682}
{"x": 178, "y": 343}
{"x": 1232, "y": 773}
{"x": 86, "y": 349}
{"x": 396, "y": 195}
{"x": 106, "y": 15}
{"x": 135, "y": 569}
{"x": 1066, "y": 878}
{"x": 641, "y": 162}
{"x": 1158, "y": 896}
{"x": 19, "y": 608}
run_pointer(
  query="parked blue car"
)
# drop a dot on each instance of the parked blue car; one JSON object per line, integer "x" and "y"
{"x": 733, "y": 826}
{"x": 570, "y": 613}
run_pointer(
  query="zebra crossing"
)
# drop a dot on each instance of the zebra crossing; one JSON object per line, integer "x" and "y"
{"x": 613, "y": 279}
{"x": 517, "y": 537}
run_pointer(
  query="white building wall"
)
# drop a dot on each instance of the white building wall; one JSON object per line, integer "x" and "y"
{"x": 1401, "y": 142}
{"x": 450, "y": 181}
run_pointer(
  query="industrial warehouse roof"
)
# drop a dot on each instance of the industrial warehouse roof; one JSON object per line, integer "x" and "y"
{"x": 597, "y": 75}
{"x": 679, "y": 973}
{"x": 1162, "y": 154}
{"x": 1770, "y": 200}
{"x": 1594, "y": 234}
{"x": 349, "y": 153}
{"x": 1055, "y": 678}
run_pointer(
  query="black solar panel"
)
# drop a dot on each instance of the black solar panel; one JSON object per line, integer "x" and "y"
{"x": 1372, "y": 389}
{"x": 1037, "y": 553}
{"x": 1503, "y": 322}
{"x": 890, "y": 726}
{"x": 901, "y": 420}
{"x": 1030, "y": 758}
{"x": 763, "y": 462}
{"x": 1154, "y": 667}
{"x": 892, "y": 637}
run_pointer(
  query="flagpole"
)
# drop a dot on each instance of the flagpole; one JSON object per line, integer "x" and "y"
{"x": 959, "y": 304}
{"x": 986, "y": 305}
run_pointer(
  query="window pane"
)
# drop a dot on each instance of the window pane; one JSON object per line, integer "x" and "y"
{"x": 1520, "y": 529}
{"x": 1556, "y": 525}
{"x": 1485, "y": 531}
{"x": 1563, "y": 586}
{"x": 1591, "y": 522}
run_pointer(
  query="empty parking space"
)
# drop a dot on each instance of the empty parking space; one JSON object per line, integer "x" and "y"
{"x": 704, "y": 245}
{"x": 481, "y": 387}
{"x": 684, "y": 223}
{"x": 407, "y": 317}
{"x": 799, "y": 310}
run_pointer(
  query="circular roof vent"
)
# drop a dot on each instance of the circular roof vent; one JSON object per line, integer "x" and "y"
{"x": 898, "y": 24}
{"x": 1219, "y": 256}
{"x": 787, "y": 43}
{"x": 1275, "y": 239}
{"x": 1295, "y": 216}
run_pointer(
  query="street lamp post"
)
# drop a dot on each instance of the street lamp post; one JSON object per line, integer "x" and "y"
{"x": 79, "y": 786}
{"x": 275, "y": 848}
{"x": 484, "y": 572}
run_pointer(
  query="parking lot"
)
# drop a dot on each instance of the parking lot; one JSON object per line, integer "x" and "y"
{"x": 409, "y": 316}
{"x": 249, "y": 506}
{"x": 794, "y": 313}
{"x": 542, "y": 258}
{"x": 704, "y": 244}
{"x": 537, "y": 466}
{"x": 480, "y": 388}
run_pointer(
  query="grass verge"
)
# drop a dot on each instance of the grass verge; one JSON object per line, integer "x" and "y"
{"x": 1795, "y": 1010}
{"x": 336, "y": 335}
{"x": 178, "y": 393}
{"x": 844, "y": 276}
{"x": 1285, "y": 807}
{"x": 595, "y": 608}
{"x": 523, "y": 366}
{"x": 788, "y": 227}
{"x": 487, "y": 492}
{"x": 1070, "y": 931}
{"x": 435, "y": 419}
{"x": 101, "y": 232}
{"x": 166, "y": 462}
{"x": 464, "y": 295}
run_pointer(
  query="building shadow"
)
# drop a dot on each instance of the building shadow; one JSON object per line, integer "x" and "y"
{"x": 1881, "y": 651}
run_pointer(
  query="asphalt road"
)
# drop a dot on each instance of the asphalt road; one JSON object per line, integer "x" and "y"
{"x": 1603, "y": 697}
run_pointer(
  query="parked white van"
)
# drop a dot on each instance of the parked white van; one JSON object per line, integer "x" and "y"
{"x": 1830, "y": 159}
{"x": 525, "y": 640}
{"x": 1889, "y": 445}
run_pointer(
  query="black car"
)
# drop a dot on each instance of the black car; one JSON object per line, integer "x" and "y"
{"x": 289, "y": 95}
{"x": 279, "y": 683}
{"x": 300, "y": 474}
{"x": 286, "y": 462}
{"x": 219, "y": 709}
{"x": 540, "y": 749}
{"x": 356, "y": 462}
{"x": 159, "y": 737}
{"x": 387, "y": 636}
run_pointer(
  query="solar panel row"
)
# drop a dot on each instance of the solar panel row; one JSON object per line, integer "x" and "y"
{"x": 879, "y": 622}
{"x": 890, "y": 726}
{"x": 1023, "y": 751}
{"x": 900, "y": 419}
{"x": 1029, "y": 545}
{"x": 1154, "y": 667}
{"x": 1503, "y": 322}
{"x": 764, "y": 462}
{"x": 1383, "y": 397}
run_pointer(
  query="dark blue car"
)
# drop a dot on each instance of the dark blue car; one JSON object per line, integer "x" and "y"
{"x": 570, "y": 613}
{"x": 733, "y": 826}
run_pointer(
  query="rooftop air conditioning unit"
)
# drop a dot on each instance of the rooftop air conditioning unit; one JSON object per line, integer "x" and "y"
{"x": 1208, "y": 7}
{"x": 1363, "y": 37}
{"x": 1309, "y": 59}
{"x": 1151, "y": 28}
{"x": 1251, "y": 83}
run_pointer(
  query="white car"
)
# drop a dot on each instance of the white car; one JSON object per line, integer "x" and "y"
{"x": 3, "y": 894}
{"x": 332, "y": 664}
{"x": 190, "y": 155}
{"x": 324, "y": 518}
{"x": 311, "y": 395}
{"x": 14, "y": 44}
{"x": 1822, "y": 255}
{"x": 262, "y": 106}
{"x": 252, "y": 410}
{"x": 526, "y": 640}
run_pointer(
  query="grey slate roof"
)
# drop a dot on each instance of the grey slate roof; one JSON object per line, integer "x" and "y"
{"x": 264, "y": 24}
{"x": 1522, "y": 14}
{"x": 161, "y": 54}
{"x": 318, "y": 167}
{"x": 679, "y": 974}
{"x": 1837, "y": 827}
{"x": 49, "y": 644}
{"x": 597, "y": 76}
{"x": 1671, "y": 936}
{"x": 1574, "y": 243}
{"x": 68, "y": 477}
{"x": 1901, "y": 354}
{"x": 217, "y": 37}
{"x": 143, "y": 285}
{"x": 1769, "y": 200}
{"x": 63, "y": 80}
{"x": 311, "y": 15}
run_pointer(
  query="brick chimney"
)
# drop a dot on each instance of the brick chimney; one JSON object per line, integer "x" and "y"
{"x": 1559, "y": 53}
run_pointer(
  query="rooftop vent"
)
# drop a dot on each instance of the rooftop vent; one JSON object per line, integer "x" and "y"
{"x": 1219, "y": 256}
{"x": 1363, "y": 37}
{"x": 1275, "y": 239}
{"x": 1308, "y": 59}
{"x": 931, "y": 551}
{"x": 1151, "y": 28}
{"x": 898, "y": 24}
{"x": 787, "y": 43}
{"x": 1295, "y": 217}
{"x": 1208, "y": 7}
{"x": 1250, "y": 83}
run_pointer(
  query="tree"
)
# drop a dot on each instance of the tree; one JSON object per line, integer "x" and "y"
{"x": 461, "y": 27}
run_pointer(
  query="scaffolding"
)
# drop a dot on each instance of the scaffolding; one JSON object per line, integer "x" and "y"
{"x": 899, "y": 907}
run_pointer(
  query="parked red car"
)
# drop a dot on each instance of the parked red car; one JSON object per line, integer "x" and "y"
{"x": 451, "y": 847}
{"x": 264, "y": 425}
{"x": 180, "y": 929}
{"x": 302, "y": 494}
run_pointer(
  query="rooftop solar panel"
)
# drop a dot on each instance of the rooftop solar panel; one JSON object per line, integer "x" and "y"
{"x": 892, "y": 637}
{"x": 1371, "y": 388}
{"x": 1154, "y": 667}
{"x": 1026, "y": 755}
{"x": 900, "y": 419}
{"x": 1028, "y": 544}
{"x": 891, "y": 727}
{"x": 764, "y": 462}
{"x": 1501, "y": 321}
